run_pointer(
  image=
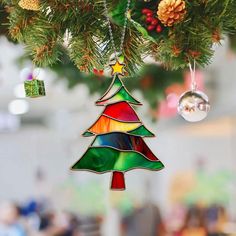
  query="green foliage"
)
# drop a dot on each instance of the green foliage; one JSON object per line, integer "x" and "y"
{"x": 193, "y": 38}
{"x": 3, "y": 20}
{"x": 232, "y": 40}
{"x": 81, "y": 26}
{"x": 151, "y": 80}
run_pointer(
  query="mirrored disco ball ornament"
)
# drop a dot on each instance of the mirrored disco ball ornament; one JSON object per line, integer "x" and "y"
{"x": 193, "y": 106}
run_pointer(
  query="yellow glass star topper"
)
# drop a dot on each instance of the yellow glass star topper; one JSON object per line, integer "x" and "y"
{"x": 117, "y": 68}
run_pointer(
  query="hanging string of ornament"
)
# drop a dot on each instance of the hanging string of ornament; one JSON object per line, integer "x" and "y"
{"x": 118, "y": 54}
{"x": 33, "y": 86}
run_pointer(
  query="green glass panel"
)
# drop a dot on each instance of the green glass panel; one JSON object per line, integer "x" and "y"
{"x": 142, "y": 131}
{"x": 114, "y": 88}
{"x": 88, "y": 134}
{"x": 104, "y": 159}
{"x": 117, "y": 82}
{"x": 34, "y": 88}
{"x": 121, "y": 95}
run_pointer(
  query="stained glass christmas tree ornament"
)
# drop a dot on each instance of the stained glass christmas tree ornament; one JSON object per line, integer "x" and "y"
{"x": 118, "y": 145}
{"x": 33, "y": 87}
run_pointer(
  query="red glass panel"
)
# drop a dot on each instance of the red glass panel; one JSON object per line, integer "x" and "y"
{"x": 121, "y": 111}
{"x": 118, "y": 181}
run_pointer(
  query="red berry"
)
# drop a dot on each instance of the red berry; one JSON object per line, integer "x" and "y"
{"x": 146, "y": 10}
{"x": 150, "y": 13}
{"x": 158, "y": 29}
{"x": 151, "y": 27}
{"x": 154, "y": 21}
{"x": 149, "y": 19}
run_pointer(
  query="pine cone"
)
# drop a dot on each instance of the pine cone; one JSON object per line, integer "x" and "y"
{"x": 171, "y": 12}
{"x": 32, "y": 5}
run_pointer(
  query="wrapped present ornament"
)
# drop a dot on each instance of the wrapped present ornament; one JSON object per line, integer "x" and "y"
{"x": 34, "y": 87}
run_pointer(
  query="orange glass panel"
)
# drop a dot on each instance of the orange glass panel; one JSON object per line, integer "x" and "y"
{"x": 105, "y": 125}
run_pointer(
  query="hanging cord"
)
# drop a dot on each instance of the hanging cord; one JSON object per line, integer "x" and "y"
{"x": 123, "y": 30}
{"x": 35, "y": 72}
{"x": 193, "y": 75}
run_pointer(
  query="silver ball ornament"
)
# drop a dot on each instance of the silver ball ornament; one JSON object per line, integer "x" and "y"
{"x": 193, "y": 106}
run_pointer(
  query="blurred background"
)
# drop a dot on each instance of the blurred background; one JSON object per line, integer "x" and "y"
{"x": 41, "y": 138}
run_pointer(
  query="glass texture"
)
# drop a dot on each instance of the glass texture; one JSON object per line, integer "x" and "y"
{"x": 105, "y": 125}
{"x": 114, "y": 87}
{"x": 142, "y": 131}
{"x": 121, "y": 111}
{"x": 121, "y": 95}
{"x": 104, "y": 159}
{"x": 88, "y": 134}
{"x": 124, "y": 142}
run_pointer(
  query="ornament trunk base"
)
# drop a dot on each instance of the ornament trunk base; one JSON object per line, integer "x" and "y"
{"x": 118, "y": 181}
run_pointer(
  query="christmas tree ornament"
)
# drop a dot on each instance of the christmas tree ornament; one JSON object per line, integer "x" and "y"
{"x": 33, "y": 5}
{"x": 33, "y": 87}
{"x": 193, "y": 105}
{"x": 171, "y": 12}
{"x": 118, "y": 145}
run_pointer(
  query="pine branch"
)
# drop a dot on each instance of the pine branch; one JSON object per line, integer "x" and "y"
{"x": 43, "y": 32}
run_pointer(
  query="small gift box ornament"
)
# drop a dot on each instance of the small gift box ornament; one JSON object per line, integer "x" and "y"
{"x": 34, "y": 88}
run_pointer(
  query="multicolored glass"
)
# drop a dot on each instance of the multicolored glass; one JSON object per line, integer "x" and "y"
{"x": 106, "y": 159}
{"x": 118, "y": 145}
{"x": 106, "y": 125}
{"x": 121, "y": 95}
{"x": 124, "y": 142}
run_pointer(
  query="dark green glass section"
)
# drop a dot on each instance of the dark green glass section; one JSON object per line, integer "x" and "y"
{"x": 142, "y": 131}
{"x": 34, "y": 88}
{"x": 104, "y": 159}
{"x": 127, "y": 97}
{"x": 88, "y": 134}
{"x": 117, "y": 82}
